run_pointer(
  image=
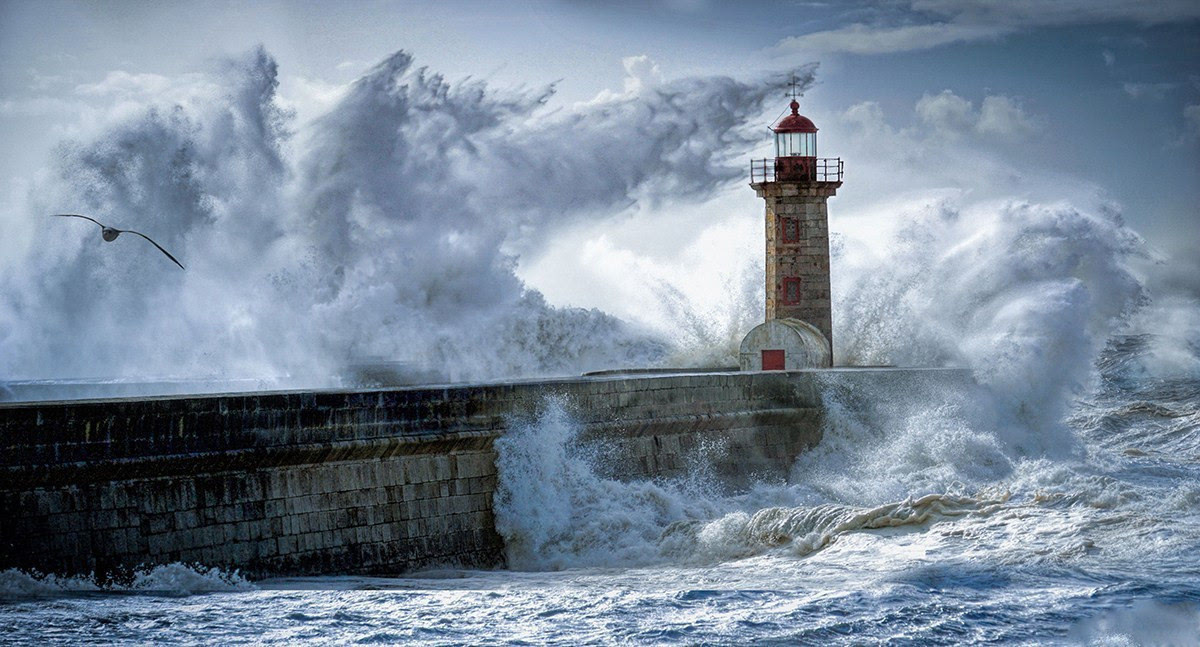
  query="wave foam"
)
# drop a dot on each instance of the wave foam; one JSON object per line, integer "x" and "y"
{"x": 169, "y": 579}
{"x": 554, "y": 511}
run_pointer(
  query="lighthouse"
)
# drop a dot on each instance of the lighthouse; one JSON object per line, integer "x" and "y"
{"x": 796, "y": 186}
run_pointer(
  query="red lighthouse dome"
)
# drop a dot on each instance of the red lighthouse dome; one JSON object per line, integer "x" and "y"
{"x": 795, "y": 135}
{"x": 795, "y": 122}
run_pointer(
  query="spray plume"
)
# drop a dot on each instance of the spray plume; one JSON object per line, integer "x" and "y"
{"x": 384, "y": 228}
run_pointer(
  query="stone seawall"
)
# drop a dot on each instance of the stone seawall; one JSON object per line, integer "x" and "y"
{"x": 378, "y": 481}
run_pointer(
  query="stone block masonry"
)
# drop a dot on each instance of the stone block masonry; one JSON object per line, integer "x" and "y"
{"x": 379, "y": 481}
{"x": 797, "y": 252}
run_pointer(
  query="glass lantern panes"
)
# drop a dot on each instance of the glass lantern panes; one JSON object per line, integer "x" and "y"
{"x": 795, "y": 145}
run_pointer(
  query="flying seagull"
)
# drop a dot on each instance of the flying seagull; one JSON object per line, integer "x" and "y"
{"x": 110, "y": 233}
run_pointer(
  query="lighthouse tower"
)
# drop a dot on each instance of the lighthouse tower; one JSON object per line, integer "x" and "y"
{"x": 795, "y": 186}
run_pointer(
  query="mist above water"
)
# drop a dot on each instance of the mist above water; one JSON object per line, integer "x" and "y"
{"x": 383, "y": 229}
{"x": 391, "y": 227}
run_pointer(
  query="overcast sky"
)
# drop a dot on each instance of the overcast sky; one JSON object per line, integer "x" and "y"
{"x": 1087, "y": 101}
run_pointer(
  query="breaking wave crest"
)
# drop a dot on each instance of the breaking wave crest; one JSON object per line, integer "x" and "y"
{"x": 803, "y": 530}
{"x": 1025, "y": 294}
{"x": 555, "y": 511}
{"x": 166, "y": 579}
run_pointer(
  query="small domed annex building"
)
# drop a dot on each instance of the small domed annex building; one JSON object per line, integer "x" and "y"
{"x": 784, "y": 345}
{"x": 798, "y": 331}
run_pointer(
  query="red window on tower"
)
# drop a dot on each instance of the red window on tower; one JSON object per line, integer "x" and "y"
{"x": 791, "y": 230}
{"x": 791, "y": 291}
{"x": 772, "y": 360}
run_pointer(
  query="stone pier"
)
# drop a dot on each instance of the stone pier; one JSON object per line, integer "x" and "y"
{"x": 373, "y": 481}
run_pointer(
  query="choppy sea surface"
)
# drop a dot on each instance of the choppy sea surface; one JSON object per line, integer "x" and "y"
{"x": 924, "y": 517}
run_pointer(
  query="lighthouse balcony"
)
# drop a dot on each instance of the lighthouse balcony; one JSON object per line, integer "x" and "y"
{"x": 796, "y": 169}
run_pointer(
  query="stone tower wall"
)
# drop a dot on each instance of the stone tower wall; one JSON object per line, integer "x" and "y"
{"x": 806, "y": 259}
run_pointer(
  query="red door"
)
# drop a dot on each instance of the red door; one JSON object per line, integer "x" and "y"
{"x": 772, "y": 360}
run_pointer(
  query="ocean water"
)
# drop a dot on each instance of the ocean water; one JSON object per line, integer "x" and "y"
{"x": 922, "y": 518}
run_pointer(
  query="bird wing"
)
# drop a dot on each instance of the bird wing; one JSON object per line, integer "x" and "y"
{"x": 130, "y": 231}
{"x": 75, "y": 215}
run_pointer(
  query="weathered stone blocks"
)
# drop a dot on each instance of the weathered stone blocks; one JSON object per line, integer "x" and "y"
{"x": 350, "y": 482}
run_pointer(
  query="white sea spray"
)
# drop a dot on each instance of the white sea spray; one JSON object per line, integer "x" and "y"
{"x": 388, "y": 227}
{"x": 166, "y": 579}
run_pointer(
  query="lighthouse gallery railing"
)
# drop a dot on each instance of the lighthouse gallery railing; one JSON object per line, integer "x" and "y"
{"x": 817, "y": 169}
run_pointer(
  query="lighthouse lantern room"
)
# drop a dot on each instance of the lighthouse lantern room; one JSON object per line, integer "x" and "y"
{"x": 795, "y": 145}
